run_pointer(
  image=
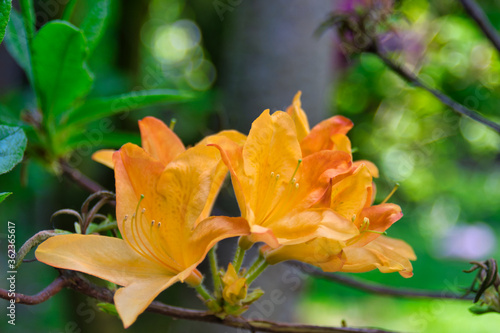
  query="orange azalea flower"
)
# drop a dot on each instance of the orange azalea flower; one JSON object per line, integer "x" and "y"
{"x": 162, "y": 213}
{"x": 276, "y": 186}
{"x": 351, "y": 197}
{"x": 330, "y": 134}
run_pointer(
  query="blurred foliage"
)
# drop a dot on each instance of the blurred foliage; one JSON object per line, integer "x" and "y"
{"x": 447, "y": 165}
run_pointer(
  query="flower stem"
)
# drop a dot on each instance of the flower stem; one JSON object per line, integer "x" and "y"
{"x": 204, "y": 293}
{"x": 214, "y": 268}
{"x": 256, "y": 269}
{"x": 238, "y": 258}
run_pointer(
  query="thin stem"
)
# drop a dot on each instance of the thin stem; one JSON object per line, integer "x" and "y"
{"x": 378, "y": 288}
{"x": 80, "y": 179}
{"x": 412, "y": 78}
{"x": 238, "y": 259}
{"x": 256, "y": 269}
{"x": 214, "y": 268}
{"x": 203, "y": 292}
{"x": 482, "y": 21}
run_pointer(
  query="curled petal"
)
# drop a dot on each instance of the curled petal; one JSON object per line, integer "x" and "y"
{"x": 105, "y": 157}
{"x": 159, "y": 140}
{"x": 380, "y": 218}
{"x": 320, "y": 137}
{"x": 385, "y": 253}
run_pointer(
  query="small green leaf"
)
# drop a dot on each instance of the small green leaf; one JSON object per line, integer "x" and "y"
{"x": 95, "y": 22}
{"x": 4, "y": 195}
{"x": 61, "y": 73}
{"x": 103, "y": 107}
{"x": 12, "y": 145}
{"x": 16, "y": 42}
{"x": 5, "y": 6}
{"x": 108, "y": 308}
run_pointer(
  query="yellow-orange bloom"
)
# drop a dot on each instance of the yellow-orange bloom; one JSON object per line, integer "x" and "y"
{"x": 276, "y": 186}
{"x": 351, "y": 195}
{"x": 162, "y": 212}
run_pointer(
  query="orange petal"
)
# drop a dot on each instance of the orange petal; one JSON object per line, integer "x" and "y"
{"x": 321, "y": 252}
{"x": 104, "y": 156}
{"x": 137, "y": 174}
{"x": 385, "y": 253}
{"x": 209, "y": 232}
{"x": 105, "y": 257}
{"x": 159, "y": 140}
{"x": 299, "y": 117}
{"x": 341, "y": 143}
{"x": 371, "y": 167}
{"x": 351, "y": 194}
{"x": 381, "y": 217}
{"x": 320, "y": 137}
{"x": 132, "y": 300}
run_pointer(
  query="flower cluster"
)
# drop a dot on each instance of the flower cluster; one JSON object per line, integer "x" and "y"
{"x": 299, "y": 192}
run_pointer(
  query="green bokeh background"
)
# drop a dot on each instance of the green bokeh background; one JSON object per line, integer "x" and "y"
{"x": 448, "y": 166}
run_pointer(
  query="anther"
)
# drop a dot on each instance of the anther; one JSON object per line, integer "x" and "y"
{"x": 297, "y": 185}
{"x": 277, "y": 176}
{"x": 159, "y": 224}
{"x": 143, "y": 210}
{"x": 173, "y": 121}
{"x": 125, "y": 218}
{"x": 272, "y": 174}
{"x": 153, "y": 223}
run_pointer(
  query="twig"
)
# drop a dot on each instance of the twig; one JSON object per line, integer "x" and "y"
{"x": 377, "y": 288}
{"x": 411, "y": 78}
{"x": 74, "y": 281}
{"x": 34, "y": 241}
{"x": 79, "y": 178}
{"x": 482, "y": 21}
{"x": 52, "y": 289}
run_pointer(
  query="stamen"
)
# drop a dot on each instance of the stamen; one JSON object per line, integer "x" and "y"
{"x": 295, "y": 172}
{"x": 396, "y": 186}
{"x": 125, "y": 218}
{"x": 278, "y": 176}
{"x": 297, "y": 185}
{"x": 272, "y": 174}
{"x": 173, "y": 121}
{"x": 353, "y": 218}
{"x": 153, "y": 223}
{"x": 159, "y": 224}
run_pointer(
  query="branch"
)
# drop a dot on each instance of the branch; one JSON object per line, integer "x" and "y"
{"x": 52, "y": 289}
{"x": 79, "y": 178}
{"x": 73, "y": 281}
{"x": 377, "y": 288}
{"x": 411, "y": 78}
{"x": 482, "y": 21}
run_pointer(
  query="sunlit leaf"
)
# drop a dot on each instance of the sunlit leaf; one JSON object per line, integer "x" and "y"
{"x": 12, "y": 145}
{"x": 103, "y": 107}
{"x": 95, "y": 22}
{"x": 61, "y": 74}
{"x": 4, "y": 195}
{"x": 5, "y": 6}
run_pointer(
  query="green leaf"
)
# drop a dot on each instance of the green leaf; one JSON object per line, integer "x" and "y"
{"x": 61, "y": 73}
{"x": 4, "y": 195}
{"x": 95, "y": 22}
{"x": 5, "y": 6}
{"x": 16, "y": 42}
{"x": 103, "y": 107}
{"x": 96, "y": 138}
{"x": 12, "y": 145}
